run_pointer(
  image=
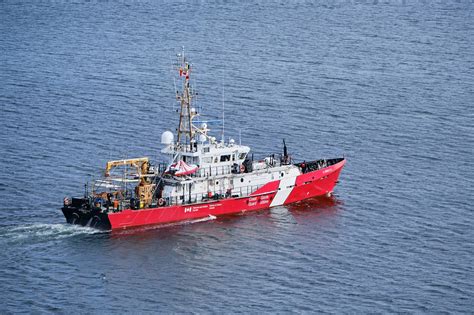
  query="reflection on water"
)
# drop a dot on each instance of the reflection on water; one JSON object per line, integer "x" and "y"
{"x": 314, "y": 209}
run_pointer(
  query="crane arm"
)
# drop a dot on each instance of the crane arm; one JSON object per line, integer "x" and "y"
{"x": 137, "y": 163}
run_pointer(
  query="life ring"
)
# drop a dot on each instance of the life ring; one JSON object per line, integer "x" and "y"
{"x": 242, "y": 168}
{"x": 161, "y": 202}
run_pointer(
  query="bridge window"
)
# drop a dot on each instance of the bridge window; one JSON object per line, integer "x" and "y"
{"x": 242, "y": 156}
{"x": 225, "y": 158}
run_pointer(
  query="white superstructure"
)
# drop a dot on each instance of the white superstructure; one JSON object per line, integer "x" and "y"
{"x": 223, "y": 169}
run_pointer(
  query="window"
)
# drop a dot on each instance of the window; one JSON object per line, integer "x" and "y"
{"x": 216, "y": 159}
{"x": 242, "y": 156}
{"x": 205, "y": 150}
{"x": 225, "y": 158}
{"x": 207, "y": 160}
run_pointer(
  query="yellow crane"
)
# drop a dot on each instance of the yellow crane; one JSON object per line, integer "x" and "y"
{"x": 144, "y": 190}
{"x": 141, "y": 164}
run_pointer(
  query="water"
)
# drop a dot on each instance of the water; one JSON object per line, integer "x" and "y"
{"x": 389, "y": 84}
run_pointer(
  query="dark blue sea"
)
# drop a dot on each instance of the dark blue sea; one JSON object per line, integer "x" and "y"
{"x": 388, "y": 84}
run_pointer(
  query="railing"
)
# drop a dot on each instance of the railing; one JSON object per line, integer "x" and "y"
{"x": 204, "y": 171}
{"x": 213, "y": 171}
{"x": 161, "y": 167}
{"x": 311, "y": 166}
{"x": 186, "y": 199}
{"x": 217, "y": 194}
{"x": 227, "y": 169}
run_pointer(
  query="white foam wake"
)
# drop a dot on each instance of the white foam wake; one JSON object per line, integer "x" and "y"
{"x": 42, "y": 231}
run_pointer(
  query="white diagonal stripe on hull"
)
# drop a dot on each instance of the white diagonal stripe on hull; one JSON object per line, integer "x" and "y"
{"x": 284, "y": 190}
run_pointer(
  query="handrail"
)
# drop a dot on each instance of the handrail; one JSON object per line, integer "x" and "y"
{"x": 217, "y": 194}
{"x": 213, "y": 171}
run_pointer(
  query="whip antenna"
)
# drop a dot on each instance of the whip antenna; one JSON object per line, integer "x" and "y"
{"x": 223, "y": 110}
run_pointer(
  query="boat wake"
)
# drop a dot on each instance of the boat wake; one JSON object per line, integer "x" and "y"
{"x": 40, "y": 232}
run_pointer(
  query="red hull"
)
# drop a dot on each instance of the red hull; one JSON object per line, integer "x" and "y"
{"x": 312, "y": 184}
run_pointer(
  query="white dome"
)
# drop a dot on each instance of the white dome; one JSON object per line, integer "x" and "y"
{"x": 231, "y": 141}
{"x": 202, "y": 138}
{"x": 193, "y": 110}
{"x": 167, "y": 138}
{"x": 203, "y": 126}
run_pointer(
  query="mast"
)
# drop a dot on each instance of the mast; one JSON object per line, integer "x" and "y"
{"x": 223, "y": 111}
{"x": 185, "y": 97}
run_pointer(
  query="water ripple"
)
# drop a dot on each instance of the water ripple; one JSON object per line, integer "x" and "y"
{"x": 388, "y": 84}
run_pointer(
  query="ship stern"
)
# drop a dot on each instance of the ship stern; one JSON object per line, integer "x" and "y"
{"x": 79, "y": 212}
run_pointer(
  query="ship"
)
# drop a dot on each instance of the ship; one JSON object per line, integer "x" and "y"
{"x": 201, "y": 177}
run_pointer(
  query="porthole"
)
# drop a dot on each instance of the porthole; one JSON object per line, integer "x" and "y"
{"x": 241, "y": 180}
{"x": 282, "y": 174}
{"x": 217, "y": 182}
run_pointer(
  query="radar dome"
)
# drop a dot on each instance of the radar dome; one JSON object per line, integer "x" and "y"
{"x": 167, "y": 138}
{"x": 203, "y": 126}
{"x": 202, "y": 138}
